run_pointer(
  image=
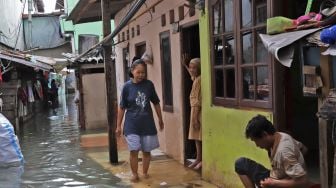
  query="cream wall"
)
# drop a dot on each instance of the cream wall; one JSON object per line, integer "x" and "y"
{"x": 171, "y": 139}
{"x": 94, "y": 101}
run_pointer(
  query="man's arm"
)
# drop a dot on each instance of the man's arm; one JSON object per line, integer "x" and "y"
{"x": 301, "y": 182}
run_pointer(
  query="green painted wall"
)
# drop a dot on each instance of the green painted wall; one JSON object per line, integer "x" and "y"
{"x": 223, "y": 128}
{"x": 93, "y": 28}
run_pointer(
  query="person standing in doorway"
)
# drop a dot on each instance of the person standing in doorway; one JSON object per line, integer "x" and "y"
{"x": 139, "y": 127}
{"x": 195, "y": 128}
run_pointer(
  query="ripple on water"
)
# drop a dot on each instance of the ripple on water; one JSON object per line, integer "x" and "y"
{"x": 74, "y": 183}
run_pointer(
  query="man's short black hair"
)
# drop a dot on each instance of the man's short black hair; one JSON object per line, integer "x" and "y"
{"x": 257, "y": 126}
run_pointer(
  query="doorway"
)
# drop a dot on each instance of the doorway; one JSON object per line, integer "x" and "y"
{"x": 190, "y": 45}
{"x": 301, "y": 122}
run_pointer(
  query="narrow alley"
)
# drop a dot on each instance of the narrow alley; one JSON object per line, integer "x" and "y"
{"x": 58, "y": 154}
{"x": 53, "y": 156}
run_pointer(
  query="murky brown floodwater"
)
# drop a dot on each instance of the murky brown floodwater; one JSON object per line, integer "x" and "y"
{"x": 51, "y": 147}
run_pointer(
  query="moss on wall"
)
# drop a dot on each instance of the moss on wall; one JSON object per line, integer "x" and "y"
{"x": 223, "y": 128}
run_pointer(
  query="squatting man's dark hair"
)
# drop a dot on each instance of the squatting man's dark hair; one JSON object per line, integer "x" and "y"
{"x": 257, "y": 126}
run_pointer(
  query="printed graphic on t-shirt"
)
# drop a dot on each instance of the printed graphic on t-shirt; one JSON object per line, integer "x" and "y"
{"x": 141, "y": 100}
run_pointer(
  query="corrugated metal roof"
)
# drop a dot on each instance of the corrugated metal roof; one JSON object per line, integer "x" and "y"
{"x": 90, "y": 11}
{"x": 59, "y": 4}
{"x": 43, "y": 63}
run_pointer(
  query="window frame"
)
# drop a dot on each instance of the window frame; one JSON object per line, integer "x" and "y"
{"x": 166, "y": 107}
{"x": 239, "y": 101}
{"x": 126, "y": 63}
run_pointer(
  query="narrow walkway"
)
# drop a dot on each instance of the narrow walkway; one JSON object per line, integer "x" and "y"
{"x": 164, "y": 171}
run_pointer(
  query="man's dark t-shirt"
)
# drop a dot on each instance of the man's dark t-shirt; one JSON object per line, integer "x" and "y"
{"x": 135, "y": 99}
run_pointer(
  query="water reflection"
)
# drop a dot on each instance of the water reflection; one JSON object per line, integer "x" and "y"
{"x": 51, "y": 146}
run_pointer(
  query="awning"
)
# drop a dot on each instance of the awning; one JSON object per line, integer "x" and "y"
{"x": 90, "y": 11}
{"x": 280, "y": 45}
{"x": 34, "y": 62}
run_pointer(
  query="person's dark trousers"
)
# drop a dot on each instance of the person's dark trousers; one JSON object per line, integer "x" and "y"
{"x": 255, "y": 171}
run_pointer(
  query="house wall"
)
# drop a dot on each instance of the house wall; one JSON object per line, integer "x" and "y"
{"x": 11, "y": 29}
{"x": 223, "y": 128}
{"x": 46, "y": 32}
{"x": 94, "y": 102}
{"x": 93, "y": 28}
{"x": 171, "y": 139}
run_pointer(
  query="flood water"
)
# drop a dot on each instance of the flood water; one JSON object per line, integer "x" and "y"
{"x": 53, "y": 157}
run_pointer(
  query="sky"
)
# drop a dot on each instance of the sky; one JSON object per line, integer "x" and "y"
{"x": 49, "y": 5}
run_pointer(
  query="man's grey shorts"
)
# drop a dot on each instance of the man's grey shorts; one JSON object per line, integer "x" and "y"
{"x": 144, "y": 143}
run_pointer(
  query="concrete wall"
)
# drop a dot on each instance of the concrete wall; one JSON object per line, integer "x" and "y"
{"x": 93, "y": 28}
{"x": 94, "y": 101}
{"x": 223, "y": 128}
{"x": 171, "y": 139}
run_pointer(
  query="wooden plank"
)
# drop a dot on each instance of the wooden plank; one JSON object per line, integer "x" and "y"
{"x": 323, "y": 143}
{"x": 326, "y": 76}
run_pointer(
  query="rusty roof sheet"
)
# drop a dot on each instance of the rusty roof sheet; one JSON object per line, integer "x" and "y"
{"x": 90, "y": 10}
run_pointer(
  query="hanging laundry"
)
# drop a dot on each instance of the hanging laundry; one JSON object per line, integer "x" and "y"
{"x": 30, "y": 92}
{"x": 22, "y": 94}
{"x": 38, "y": 88}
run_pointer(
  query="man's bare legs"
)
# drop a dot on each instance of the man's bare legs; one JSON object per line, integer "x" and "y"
{"x": 246, "y": 181}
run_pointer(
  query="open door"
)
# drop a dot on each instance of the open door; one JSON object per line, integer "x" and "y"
{"x": 190, "y": 45}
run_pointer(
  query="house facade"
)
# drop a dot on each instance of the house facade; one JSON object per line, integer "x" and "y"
{"x": 163, "y": 31}
{"x": 240, "y": 79}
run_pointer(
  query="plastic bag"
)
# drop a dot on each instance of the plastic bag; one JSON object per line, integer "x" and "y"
{"x": 10, "y": 151}
{"x": 278, "y": 24}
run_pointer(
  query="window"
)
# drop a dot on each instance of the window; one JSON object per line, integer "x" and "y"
{"x": 192, "y": 7}
{"x": 171, "y": 16}
{"x": 181, "y": 12}
{"x": 86, "y": 41}
{"x": 241, "y": 68}
{"x": 127, "y": 66}
{"x": 166, "y": 72}
{"x": 163, "y": 20}
{"x": 138, "y": 30}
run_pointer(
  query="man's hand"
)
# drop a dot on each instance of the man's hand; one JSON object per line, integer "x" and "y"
{"x": 268, "y": 182}
{"x": 297, "y": 182}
